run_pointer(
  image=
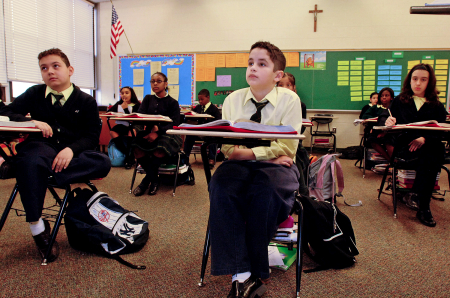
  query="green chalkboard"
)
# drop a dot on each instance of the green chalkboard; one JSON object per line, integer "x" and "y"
{"x": 318, "y": 89}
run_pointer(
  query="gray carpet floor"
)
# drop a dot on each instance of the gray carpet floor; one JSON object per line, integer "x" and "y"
{"x": 398, "y": 257}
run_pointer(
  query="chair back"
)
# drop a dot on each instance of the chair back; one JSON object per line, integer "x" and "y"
{"x": 323, "y": 120}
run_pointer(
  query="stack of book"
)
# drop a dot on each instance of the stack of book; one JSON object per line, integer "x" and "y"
{"x": 286, "y": 234}
{"x": 405, "y": 179}
{"x": 375, "y": 156}
{"x": 280, "y": 257}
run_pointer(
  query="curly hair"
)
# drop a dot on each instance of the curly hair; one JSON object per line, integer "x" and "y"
{"x": 57, "y": 52}
{"x": 431, "y": 93}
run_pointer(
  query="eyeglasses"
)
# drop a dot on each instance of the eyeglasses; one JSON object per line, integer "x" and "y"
{"x": 156, "y": 82}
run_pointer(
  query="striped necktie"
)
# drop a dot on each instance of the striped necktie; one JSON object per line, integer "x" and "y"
{"x": 259, "y": 106}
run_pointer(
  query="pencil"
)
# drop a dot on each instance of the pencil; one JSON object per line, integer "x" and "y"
{"x": 390, "y": 112}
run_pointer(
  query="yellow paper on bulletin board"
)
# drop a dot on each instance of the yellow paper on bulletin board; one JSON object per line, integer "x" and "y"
{"x": 441, "y": 78}
{"x": 356, "y": 98}
{"x": 439, "y": 72}
{"x": 241, "y": 60}
{"x": 442, "y": 94}
{"x": 441, "y": 88}
{"x": 441, "y": 83}
{"x": 413, "y": 63}
{"x": 441, "y": 66}
{"x": 293, "y": 59}
{"x": 230, "y": 60}
{"x": 210, "y": 74}
{"x": 220, "y": 60}
{"x": 200, "y": 60}
{"x": 342, "y": 83}
{"x": 200, "y": 74}
{"x": 210, "y": 60}
{"x": 441, "y": 61}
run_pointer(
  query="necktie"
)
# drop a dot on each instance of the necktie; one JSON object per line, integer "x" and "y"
{"x": 57, "y": 102}
{"x": 259, "y": 106}
{"x": 203, "y": 109}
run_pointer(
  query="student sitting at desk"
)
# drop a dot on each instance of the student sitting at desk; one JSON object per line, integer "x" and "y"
{"x": 127, "y": 104}
{"x": 373, "y": 102}
{"x": 302, "y": 156}
{"x": 376, "y": 139}
{"x": 70, "y": 125}
{"x": 152, "y": 146}
{"x": 204, "y": 107}
{"x": 254, "y": 191}
{"x": 418, "y": 101}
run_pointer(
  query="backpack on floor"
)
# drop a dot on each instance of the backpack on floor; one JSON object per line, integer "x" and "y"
{"x": 97, "y": 223}
{"x": 322, "y": 176}
{"x": 328, "y": 237}
{"x": 116, "y": 156}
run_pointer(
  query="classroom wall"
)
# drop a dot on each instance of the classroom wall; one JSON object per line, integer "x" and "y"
{"x": 179, "y": 26}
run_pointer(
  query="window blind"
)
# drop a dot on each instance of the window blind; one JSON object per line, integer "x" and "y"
{"x": 32, "y": 26}
{"x": 3, "y": 77}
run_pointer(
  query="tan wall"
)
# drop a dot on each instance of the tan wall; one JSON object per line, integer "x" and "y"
{"x": 233, "y": 25}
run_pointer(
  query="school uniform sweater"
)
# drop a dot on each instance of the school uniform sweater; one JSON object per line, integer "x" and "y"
{"x": 166, "y": 106}
{"x": 75, "y": 125}
{"x": 211, "y": 110}
{"x": 372, "y": 112}
{"x": 115, "y": 107}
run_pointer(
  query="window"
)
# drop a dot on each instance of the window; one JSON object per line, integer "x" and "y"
{"x": 32, "y": 26}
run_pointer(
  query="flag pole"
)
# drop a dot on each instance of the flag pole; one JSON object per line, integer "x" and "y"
{"x": 125, "y": 34}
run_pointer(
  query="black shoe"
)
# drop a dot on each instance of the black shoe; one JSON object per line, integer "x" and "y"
{"x": 153, "y": 189}
{"x": 411, "y": 201}
{"x": 251, "y": 288}
{"x": 426, "y": 218}
{"x": 237, "y": 289}
{"x": 254, "y": 288}
{"x": 139, "y": 191}
{"x": 42, "y": 241}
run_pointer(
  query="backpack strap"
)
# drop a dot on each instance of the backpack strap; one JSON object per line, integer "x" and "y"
{"x": 128, "y": 264}
{"x": 322, "y": 169}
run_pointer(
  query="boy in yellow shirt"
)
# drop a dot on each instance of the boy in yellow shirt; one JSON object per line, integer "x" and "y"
{"x": 253, "y": 192}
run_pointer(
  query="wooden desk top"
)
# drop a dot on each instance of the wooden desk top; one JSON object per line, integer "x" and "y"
{"x": 227, "y": 134}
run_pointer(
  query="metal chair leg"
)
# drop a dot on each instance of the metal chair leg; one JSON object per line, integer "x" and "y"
{"x": 57, "y": 225}
{"x": 8, "y": 206}
{"x": 383, "y": 181}
{"x": 205, "y": 257}
{"x": 176, "y": 174}
{"x": 299, "y": 264}
{"x": 134, "y": 177}
{"x": 394, "y": 190}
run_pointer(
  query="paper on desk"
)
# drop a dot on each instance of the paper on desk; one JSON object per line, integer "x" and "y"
{"x": 275, "y": 256}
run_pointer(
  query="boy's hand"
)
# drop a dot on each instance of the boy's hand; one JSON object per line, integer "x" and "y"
{"x": 47, "y": 131}
{"x": 416, "y": 144}
{"x": 390, "y": 121}
{"x": 282, "y": 160}
{"x": 242, "y": 154}
{"x": 62, "y": 160}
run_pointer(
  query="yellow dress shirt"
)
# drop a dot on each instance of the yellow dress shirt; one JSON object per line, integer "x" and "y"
{"x": 284, "y": 108}
{"x": 419, "y": 101}
{"x": 66, "y": 93}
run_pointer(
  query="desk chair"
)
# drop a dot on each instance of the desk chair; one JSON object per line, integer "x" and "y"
{"x": 51, "y": 212}
{"x": 322, "y": 120}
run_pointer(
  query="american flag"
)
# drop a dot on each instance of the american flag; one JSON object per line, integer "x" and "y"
{"x": 116, "y": 31}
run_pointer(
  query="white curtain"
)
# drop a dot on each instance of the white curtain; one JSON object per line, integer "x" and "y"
{"x": 32, "y": 26}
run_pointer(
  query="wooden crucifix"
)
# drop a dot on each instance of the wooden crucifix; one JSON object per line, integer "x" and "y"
{"x": 315, "y": 12}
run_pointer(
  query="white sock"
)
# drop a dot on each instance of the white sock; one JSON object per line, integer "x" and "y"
{"x": 241, "y": 277}
{"x": 38, "y": 228}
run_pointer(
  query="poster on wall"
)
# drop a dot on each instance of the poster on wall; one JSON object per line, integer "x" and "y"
{"x": 313, "y": 60}
{"x": 179, "y": 68}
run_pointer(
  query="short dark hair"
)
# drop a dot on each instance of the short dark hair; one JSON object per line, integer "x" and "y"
{"x": 373, "y": 93}
{"x": 57, "y": 52}
{"x": 204, "y": 92}
{"x": 386, "y": 89}
{"x": 431, "y": 93}
{"x": 134, "y": 98}
{"x": 275, "y": 54}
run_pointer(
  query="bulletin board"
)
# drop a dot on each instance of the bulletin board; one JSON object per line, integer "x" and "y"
{"x": 348, "y": 79}
{"x": 136, "y": 71}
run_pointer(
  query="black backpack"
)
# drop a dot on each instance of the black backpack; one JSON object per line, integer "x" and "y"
{"x": 96, "y": 223}
{"x": 328, "y": 237}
